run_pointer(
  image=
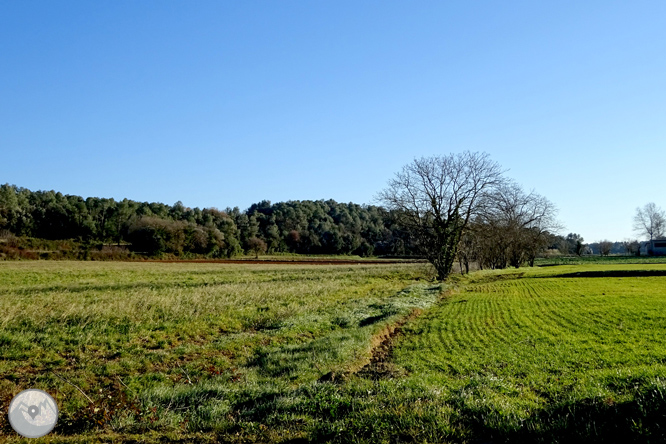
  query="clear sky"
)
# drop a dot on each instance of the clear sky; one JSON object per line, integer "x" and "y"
{"x": 226, "y": 103}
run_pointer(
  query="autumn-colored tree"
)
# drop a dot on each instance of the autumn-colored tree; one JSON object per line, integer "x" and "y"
{"x": 256, "y": 246}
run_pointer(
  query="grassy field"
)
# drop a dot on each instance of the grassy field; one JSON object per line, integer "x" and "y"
{"x": 600, "y": 260}
{"x": 177, "y": 349}
{"x": 150, "y": 352}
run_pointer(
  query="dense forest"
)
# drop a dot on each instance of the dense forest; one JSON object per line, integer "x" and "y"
{"x": 310, "y": 227}
{"x": 50, "y": 224}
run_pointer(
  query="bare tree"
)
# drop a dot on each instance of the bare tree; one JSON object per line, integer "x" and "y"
{"x": 650, "y": 221}
{"x": 632, "y": 247}
{"x": 435, "y": 198}
{"x": 518, "y": 225}
{"x": 605, "y": 247}
{"x": 468, "y": 249}
{"x": 492, "y": 244}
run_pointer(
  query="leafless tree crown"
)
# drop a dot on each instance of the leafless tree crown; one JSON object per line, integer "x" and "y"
{"x": 436, "y": 197}
{"x": 511, "y": 205}
{"x": 650, "y": 221}
{"x": 605, "y": 247}
{"x": 442, "y": 186}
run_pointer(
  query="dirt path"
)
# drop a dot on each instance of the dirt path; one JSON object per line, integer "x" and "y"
{"x": 377, "y": 365}
{"x": 380, "y": 365}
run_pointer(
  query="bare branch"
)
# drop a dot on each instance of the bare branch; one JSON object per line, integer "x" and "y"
{"x": 436, "y": 197}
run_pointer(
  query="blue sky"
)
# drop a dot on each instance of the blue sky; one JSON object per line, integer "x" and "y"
{"x": 221, "y": 103}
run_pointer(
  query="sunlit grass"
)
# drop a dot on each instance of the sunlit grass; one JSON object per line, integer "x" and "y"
{"x": 145, "y": 340}
{"x": 525, "y": 356}
{"x": 269, "y": 353}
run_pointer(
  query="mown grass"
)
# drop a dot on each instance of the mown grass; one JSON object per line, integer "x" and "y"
{"x": 525, "y": 356}
{"x": 268, "y": 353}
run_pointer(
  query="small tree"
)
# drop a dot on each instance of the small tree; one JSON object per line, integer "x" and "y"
{"x": 257, "y": 246}
{"x": 632, "y": 247}
{"x": 605, "y": 247}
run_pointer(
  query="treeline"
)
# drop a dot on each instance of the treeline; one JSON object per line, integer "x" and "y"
{"x": 515, "y": 232}
{"x": 310, "y": 227}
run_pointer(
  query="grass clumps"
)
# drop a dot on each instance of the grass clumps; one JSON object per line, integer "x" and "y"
{"x": 365, "y": 354}
{"x": 131, "y": 348}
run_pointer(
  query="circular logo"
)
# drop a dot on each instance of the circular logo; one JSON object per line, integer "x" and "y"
{"x": 33, "y": 413}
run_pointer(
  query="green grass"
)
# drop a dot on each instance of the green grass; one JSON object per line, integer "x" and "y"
{"x": 174, "y": 348}
{"x": 582, "y": 260}
{"x": 273, "y": 353}
{"x": 525, "y": 356}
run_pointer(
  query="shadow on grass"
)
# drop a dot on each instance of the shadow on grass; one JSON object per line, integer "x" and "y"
{"x": 611, "y": 273}
{"x": 590, "y": 420}
{"x": 642, "y": 420}
{"x": 373, "y": 319}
